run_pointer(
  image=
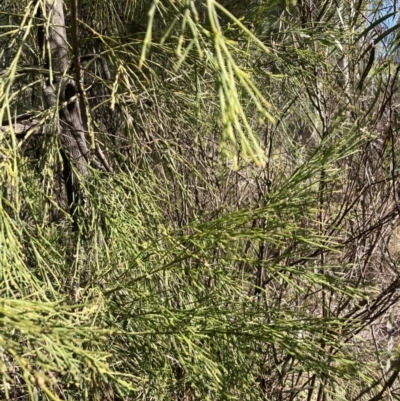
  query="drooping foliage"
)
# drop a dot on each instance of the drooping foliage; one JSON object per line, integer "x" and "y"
{"x": 199, "y": 199}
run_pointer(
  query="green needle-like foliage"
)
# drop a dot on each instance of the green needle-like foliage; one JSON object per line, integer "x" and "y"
{"x": 198, "y": 200}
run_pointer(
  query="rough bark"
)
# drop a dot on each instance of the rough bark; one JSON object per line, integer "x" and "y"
{"x": 61, "y": 92}
{"x": 65, "y": 96}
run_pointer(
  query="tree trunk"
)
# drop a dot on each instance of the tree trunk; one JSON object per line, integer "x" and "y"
{"x": 61, "y": 93}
